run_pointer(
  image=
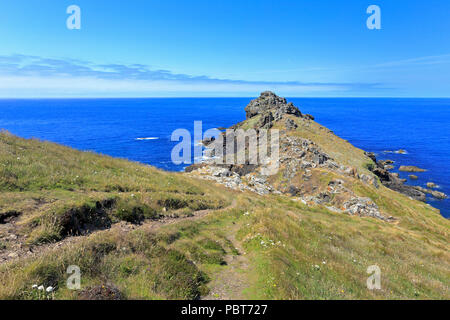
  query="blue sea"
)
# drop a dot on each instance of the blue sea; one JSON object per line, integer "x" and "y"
{"x": 113, "y": 127}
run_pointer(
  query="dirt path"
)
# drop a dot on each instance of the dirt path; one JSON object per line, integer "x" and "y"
{"x": 231, "y": 282}
{"x": 20, "y": 250}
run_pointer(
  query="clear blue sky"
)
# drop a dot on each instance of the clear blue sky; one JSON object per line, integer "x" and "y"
{"x": 224, "y": 48}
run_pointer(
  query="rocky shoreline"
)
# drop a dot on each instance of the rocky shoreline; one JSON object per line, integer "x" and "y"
{"x": 394, "y": 182}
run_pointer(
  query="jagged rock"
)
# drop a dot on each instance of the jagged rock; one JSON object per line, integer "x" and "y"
{"x": 293, "y": 190}
{"x": 371, "y": 155}
{"x": 290, "y": 124}
{"x": 413, "y": 177}
{"x": 194, "y": 167}
{"x": 363, "y": 207}
{"x": 266, "y": 121}
{"x": 435, "y": 194}
{"x": 383, "y": 163}
{"x": 439, "y": 195}
{"x": 369, "y": 180}
{"x": 268, "y": 101}
{"x": 432, "y": 185}
{"x": 287, "y": 109}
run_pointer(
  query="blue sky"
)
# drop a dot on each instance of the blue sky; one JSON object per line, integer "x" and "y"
{"x": 146, "y": 48}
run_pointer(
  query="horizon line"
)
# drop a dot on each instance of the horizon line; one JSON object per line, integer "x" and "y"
{"x": 216, "y": 97}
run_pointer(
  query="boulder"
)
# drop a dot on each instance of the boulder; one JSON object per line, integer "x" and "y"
{"x": 432, "y": 185}
{"x": 290, "y": 124}
{"x": 438, "y": 195}
{"x": 413, "y": 177}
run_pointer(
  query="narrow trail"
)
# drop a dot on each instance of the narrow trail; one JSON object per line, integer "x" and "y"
{"x": 24, "y": 251}
{"x": 232, "y": 281}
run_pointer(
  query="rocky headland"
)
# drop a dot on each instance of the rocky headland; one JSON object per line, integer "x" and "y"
{"x": 304, "y": 164}
{"x": 308, "y": 230}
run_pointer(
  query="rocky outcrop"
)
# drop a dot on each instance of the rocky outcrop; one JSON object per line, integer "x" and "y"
{"x": 290, "y": 124}
{"x": 364, "y": 207}
{"x": 432, "y": 185}
{"x": 435, "y": 194}
{"x": 270, "y": 102}
{"x": 266, "y": 121}
{"x": 393, "y": 181}
{"x": 304, "y": 166}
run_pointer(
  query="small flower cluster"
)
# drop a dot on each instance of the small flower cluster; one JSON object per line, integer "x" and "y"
{"x": 41, "y": 292}
{"x": 265, "y": 243}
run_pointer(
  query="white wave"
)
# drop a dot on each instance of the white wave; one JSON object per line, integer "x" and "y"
{"x": 149, "y": 138}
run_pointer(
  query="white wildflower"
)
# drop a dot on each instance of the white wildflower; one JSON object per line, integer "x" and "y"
{"x": 41, "y": 287}
{"x": 34, "y": 286}
{"x": 49, "y": 289}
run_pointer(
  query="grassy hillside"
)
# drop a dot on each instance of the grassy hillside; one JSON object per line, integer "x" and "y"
{"x": 140, "y": 233}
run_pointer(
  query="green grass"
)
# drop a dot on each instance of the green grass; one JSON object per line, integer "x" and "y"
{"x": 282, "y": 241}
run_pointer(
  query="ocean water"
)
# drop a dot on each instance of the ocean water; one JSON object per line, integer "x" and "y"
{"x": 140, "y": 129}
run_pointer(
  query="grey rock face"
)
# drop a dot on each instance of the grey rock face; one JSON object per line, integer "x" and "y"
{"x": 266, "y": 121}
{"x": 269, "y": 101}
{"x": 363, "y": 207}
{"x": 290, "y": 124}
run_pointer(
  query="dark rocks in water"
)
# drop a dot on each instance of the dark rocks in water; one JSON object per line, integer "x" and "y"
{"x": 413, "y": 177}
{"x": 406, "y": 190}
{"x": 411, "y": 169}
{"x": 439, "y": 195}
{"x": 269, "y": 101}
{"x": 371, "y": 155}
{"x": 432, "y": 185}
{"x": 382, "y": 173}
{"x": 435, "y": 194}
{"x": 290, "y": 124}
{"x": 385, "y": 162}
{"x": 393, "y": 181}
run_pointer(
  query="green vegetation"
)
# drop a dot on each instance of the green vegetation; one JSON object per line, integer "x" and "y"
{"x": 159, "y": 235}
